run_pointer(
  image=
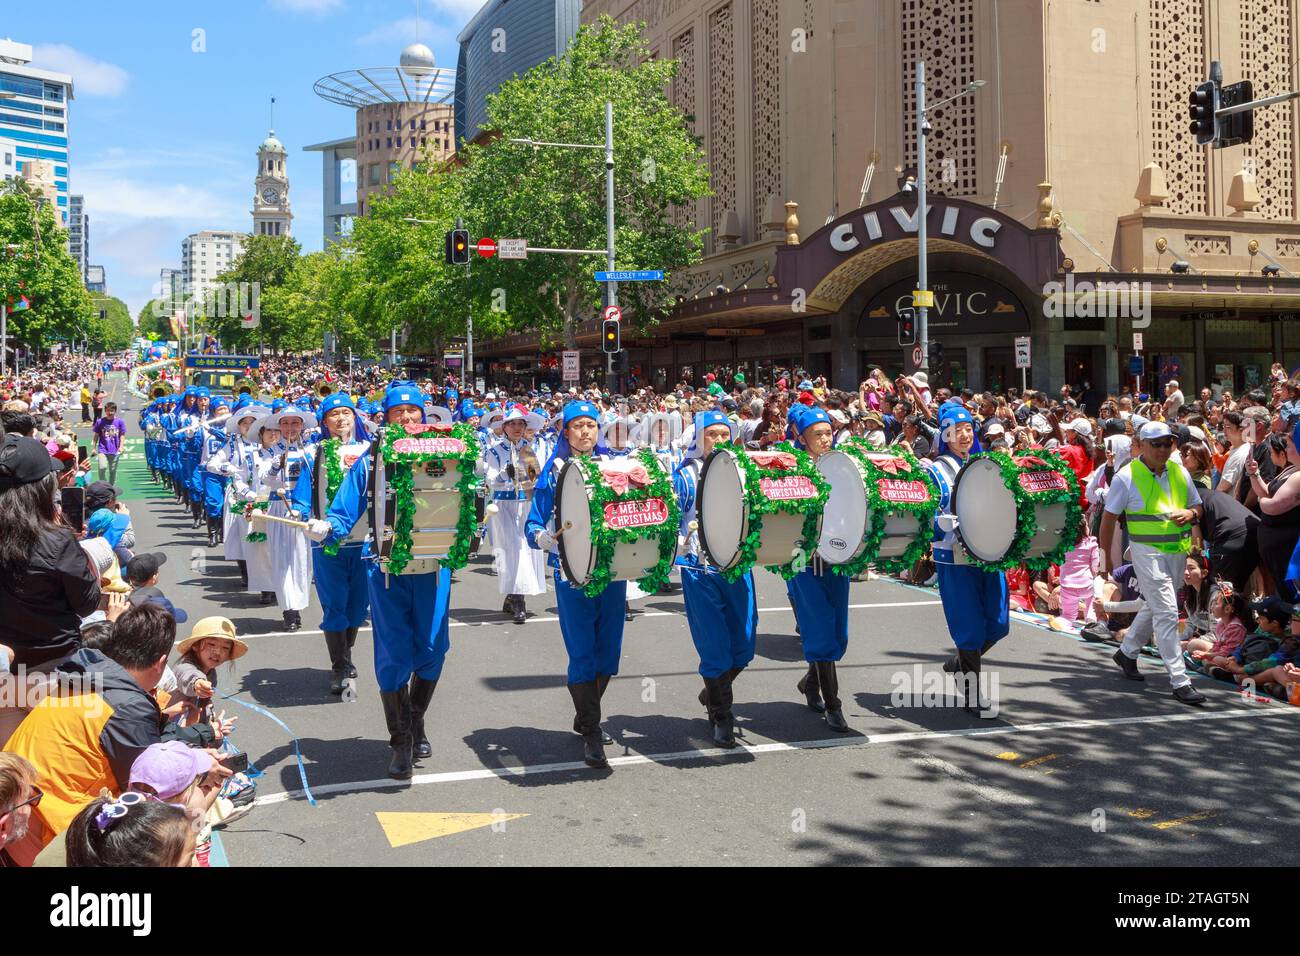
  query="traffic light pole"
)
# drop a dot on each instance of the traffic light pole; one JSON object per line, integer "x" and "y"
{"x": 922, "y": 265}
{"x": 611, "y": 287}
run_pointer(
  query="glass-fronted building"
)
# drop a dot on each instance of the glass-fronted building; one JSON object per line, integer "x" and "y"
{"x": 35, "y": 118}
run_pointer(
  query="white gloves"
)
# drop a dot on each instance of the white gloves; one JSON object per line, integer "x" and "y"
{"x": 545, "y": 540}
{"x": 318, "y": 529}
{"x": 947, "y": 523}
{"x": 274, "y": 483}
{"x": 230, "y": 469}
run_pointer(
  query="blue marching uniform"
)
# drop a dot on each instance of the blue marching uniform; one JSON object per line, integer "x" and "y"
{"x": 341, "y": 579}
{"x": 722, "y": 615}
{"x": 592, "y": 627}
{"x": 820, "y": 599}
{"x": 212, "y": 440}
{"x": 409, "y": 610}
{"x": 975, "y": 602}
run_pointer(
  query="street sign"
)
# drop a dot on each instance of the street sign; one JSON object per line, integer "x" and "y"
{"x": 1135, "y": 366}
{"x": 612, "y": 312}
{"x": 487, "y": 248}
{"x": 1137, "y": 341}
{"x": 572, "y": 368}
{"x": 917, "y": 356}
{"x": 453, "y": 359}
{"x": 1022, "y": 352}
{"x": 642, "y": 275}
{"x": 513, "y": 248}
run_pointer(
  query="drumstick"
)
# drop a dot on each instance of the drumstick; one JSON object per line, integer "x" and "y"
{"x": 567, "y": 526}
{"x": 263, "y": 516}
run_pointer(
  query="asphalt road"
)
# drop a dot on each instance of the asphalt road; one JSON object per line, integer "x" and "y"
{"x": 1079, "y": 767}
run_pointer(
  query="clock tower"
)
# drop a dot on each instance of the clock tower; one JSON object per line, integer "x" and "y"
{"x": 271, "y": 215}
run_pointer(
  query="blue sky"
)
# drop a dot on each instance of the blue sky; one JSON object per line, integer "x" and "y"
{"x": 164, "y": 139}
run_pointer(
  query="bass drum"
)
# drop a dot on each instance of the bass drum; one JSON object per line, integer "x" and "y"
{"x": 987, "y": 511}
{"x": 724, "y": 512}
{"x": 632, "y": 560}
{"x": 437, "y": 509}
{"x": 848, "y": 516}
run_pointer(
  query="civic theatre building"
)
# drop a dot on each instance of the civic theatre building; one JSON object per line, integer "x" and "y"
{"x": 1066, "y": 191}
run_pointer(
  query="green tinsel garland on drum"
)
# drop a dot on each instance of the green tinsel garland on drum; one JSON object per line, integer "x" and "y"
{"x": 1026, "y": 522}
{"x": 256, "y": 536}
{"x": 333, "y": 479}
{"x": 402, "y": 484}
{"x": 810, "y": 508}
{"x": 605, "y": 538}
{"x": 858, "y": 449}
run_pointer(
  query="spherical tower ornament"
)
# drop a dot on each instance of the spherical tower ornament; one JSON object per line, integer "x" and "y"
{"x": 271, "y": 144}
{"x": 417, "y": 60}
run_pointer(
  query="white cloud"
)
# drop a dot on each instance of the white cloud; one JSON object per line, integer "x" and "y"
{"x": 90, "y": 77}
{"x": 400, "y": 33}
{"x": 113, "y": 196}
{"x": 307, "y": 6}
{"x": 459, "y": 8}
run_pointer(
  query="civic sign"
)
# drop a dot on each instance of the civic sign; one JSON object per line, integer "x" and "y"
{"x": 1137, "y": 341}
{"x": 612, "y": 312}
{"x": 641, "y": 275}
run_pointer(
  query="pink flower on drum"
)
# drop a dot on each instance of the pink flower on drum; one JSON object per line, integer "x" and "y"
{"x": 889, "y": 464}
{"x": 773, "y": 459}
{"x": 620, "y": 475}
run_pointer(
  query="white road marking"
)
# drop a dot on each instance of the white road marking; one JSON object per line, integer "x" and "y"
{"x": 547, "y": 619}
{"x": 630, "y": 760}
{"x": 984, "y": 791}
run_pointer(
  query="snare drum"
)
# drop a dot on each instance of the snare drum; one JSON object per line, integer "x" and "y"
{"x": 989, "y": 505}
{"x": 780, "y": 490}
{"x": 880, "y": 508}
{"x": 440, "y": 462}
{"x": 607, "y": 534}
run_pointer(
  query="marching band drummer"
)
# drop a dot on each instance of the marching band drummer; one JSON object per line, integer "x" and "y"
{"x": 289, "y": 550}
{"x": 723, "y": 616}
{"x": 592, "y": 626}
{"x": 235, "y": 461}
{"x": 213, "y": 440}
{"x": 512, "y": 468}
{"x": 192, "y": 449}
{"x": 340, "y": 577}
{"x": 408, "y": 610}
{"x": 256, "y": 462}
{"x": 819, "y": 596}
{"x": 975, "y": 602}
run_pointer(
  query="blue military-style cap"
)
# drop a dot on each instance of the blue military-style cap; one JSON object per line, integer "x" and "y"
{"x": 576, "y": 410}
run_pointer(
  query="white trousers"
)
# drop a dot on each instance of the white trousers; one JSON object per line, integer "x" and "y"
{"x": 1159, "y": 577}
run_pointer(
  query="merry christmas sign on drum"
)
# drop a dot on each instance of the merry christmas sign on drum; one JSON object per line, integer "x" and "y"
{"x": 760, "y": 507}
{"x": 1013, "y": 509}
{"x": 422, "y": 487}
{"x": 616, "y": 520}
{"x": 880, "y": 508}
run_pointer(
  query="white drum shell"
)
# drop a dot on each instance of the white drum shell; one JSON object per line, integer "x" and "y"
{"x": 848, "y": 516}
{"x": 434, "y": 530}
{"x": 986, "y": 511}
{"x": 631, "y": 560}
{"x": 724, "y": 518}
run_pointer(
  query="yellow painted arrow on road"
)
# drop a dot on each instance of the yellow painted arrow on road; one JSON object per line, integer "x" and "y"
{"x": 403, "y": 829}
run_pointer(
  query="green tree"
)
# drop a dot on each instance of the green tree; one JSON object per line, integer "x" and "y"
{"x": 113, "y": 331}
{"x": 556, "y": 197}
{"x": 35, "y": 264}
{"x": 154, "y": 321}
{"x": 266, "y": 264}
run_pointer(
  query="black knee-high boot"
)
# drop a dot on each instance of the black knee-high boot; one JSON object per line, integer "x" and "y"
{"x": 352, "y": 641}
{"x": 397, "y": 714}
{"x": 243, "y": 572}
{"x": 968, "y": 684}
{"x": 586, "y": 707}
{"x": 421, "y": 694}
{"x": 830, "y": 689}
{"x": 810, "y": 687}
{"x": 336, "y": 643}
{"x": 718, "y": 694}
{"x": 213, "y": 525}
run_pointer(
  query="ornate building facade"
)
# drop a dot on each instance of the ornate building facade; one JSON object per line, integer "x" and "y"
{"x": 1076, "y": 145}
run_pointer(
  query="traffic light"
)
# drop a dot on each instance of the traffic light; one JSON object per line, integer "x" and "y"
{"x": 1204, "y": 101}
{"x": 609, "y": 336}
{"x": 936, "y": 353}
{"x": 457, "y": 253}
{"x": 1239, "y": 127}
{"x": 906, "y": 327}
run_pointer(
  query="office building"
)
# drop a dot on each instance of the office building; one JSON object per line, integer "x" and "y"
{"x": 36, "y": 116}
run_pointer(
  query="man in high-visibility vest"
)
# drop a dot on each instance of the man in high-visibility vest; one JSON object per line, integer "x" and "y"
{"x": 1161, "y": 506}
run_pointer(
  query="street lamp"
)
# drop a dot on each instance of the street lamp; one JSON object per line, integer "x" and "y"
{"x": 922, "y": 296}
{"x": 611, "y": 287}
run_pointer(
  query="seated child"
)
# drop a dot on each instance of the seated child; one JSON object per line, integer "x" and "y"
{"x": 211, "y": 643}
{"x": 1233, "y": 621}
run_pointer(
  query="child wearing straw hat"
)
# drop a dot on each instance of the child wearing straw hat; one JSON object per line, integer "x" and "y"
{"x": 211, "y": 643}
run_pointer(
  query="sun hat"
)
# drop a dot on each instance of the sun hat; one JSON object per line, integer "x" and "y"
{"x": 218, "y": 627}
